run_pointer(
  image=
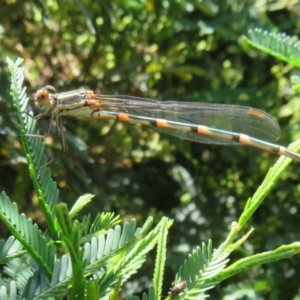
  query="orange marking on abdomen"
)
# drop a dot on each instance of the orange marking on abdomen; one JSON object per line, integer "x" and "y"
{"x": 123, "y": 117}
{"x": 281, "y": 150}
{"x": 244, "y": 139}
{"x": 162, "y": 123}
{"x": 201, "y": 129}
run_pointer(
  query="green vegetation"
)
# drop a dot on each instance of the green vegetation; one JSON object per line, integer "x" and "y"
{"x": 173, "y": 50}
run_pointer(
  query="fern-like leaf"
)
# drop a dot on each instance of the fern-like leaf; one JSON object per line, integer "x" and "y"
{"x": 198, "y": 269}
{"x": 242, "y": 265}
{"x": 161, "y": 257}
{"x": 11, "y": 295}
{"x": 20, "y": 275}
{"x": 100, "y": 257}
{"x": 26, "y": 233}
{"x": 80, "y": 204}
{"x": 150, "y": 296}
{"x": 279, "y": 45}
{"x": 100, "y": 225}
{"x": 34, "y": 147}
{"x": 36, "y": 284}
{"x": 10, "y": 249}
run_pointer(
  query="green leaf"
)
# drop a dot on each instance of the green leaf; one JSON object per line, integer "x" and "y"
{"x": 278, "y": 45}
{"x": 34, "y": 147}
{"x": 10, "y": 249}
{"x": 80, "y": 204}
{"x": 296, "y": 82}
{"x": 242, "y": 265}
{"x": 27, "y": 234}
{"x": 100, "y": 225}
{"x": 161, "y": 257}
{"x": 273, "y": 175}
{"x": 198, "y": 270}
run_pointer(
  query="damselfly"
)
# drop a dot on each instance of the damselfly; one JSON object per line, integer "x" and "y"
{"x": 199, "y": 122}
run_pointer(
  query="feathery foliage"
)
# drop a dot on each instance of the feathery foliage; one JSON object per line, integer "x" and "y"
{"x": 201, "y": 265}
{"x": 34, "y": 147}
{"x": 278, "y": 45}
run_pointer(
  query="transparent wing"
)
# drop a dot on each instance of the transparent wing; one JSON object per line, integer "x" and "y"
{"x": 229, "y": 118}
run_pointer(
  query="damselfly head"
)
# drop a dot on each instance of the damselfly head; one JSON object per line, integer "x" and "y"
{"x": 43, "y": 96}
{"x": 177, "y": 289}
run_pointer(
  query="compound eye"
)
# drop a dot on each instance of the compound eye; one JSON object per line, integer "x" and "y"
{"x": 42, "y": 97}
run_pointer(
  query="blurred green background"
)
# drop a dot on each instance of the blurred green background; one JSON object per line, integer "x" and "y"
{"x": 184, "y": 50}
